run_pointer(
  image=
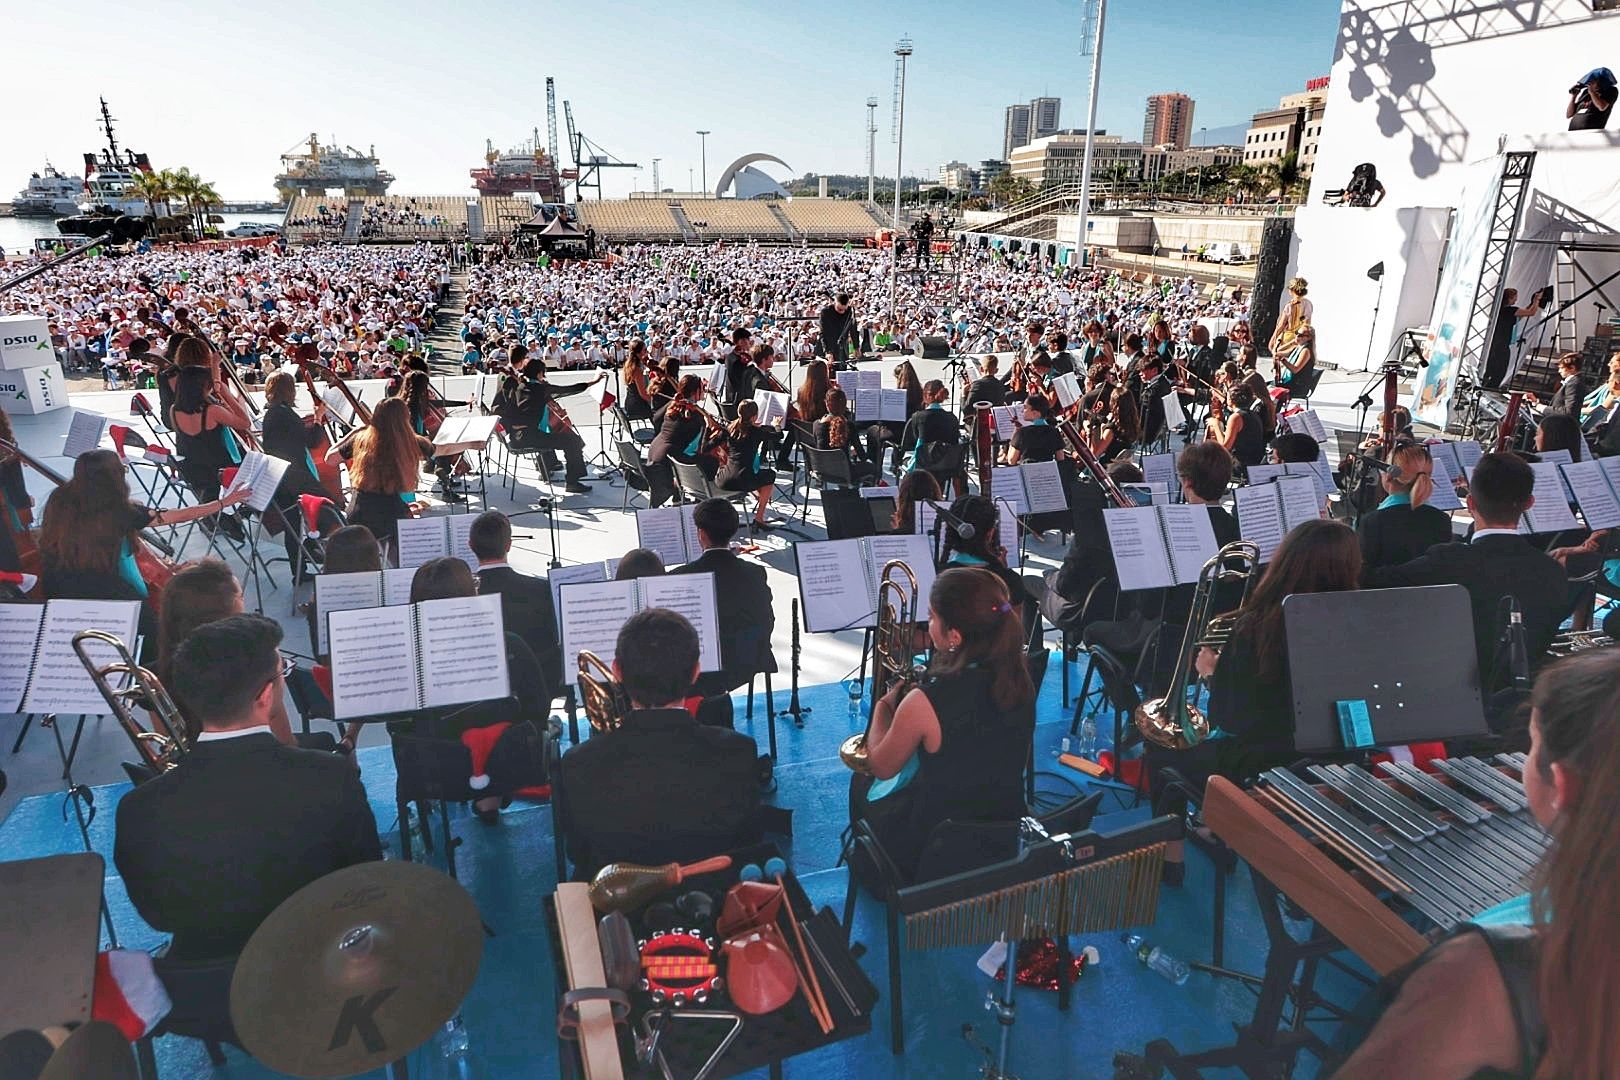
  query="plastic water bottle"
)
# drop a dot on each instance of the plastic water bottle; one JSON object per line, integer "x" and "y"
{"x": 1156, "y": 959}
{"x": 1063, "y": 747}
{"x": 456, "y": 1046}
{"x": 856, "y": 690}
{"x": 1088, "y": 737}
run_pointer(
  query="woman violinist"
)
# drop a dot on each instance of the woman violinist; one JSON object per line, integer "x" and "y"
{"x": 836, "y": 431}
{"x": 209, "y": 430}
{"x": 16, "y": 505}
{"x": 686, "y": 434}
{"x": 638, "y": 382}
{"x": 426, "y": 416}
{"x": 88, "y": 538}
{"x": 747, "y": 444}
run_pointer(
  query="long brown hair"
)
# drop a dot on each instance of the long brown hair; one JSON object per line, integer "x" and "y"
{"x": 974, "y": 603}
{"x": 201, "y": 593}
{"x": 1577, "y": 715}
{"x": 747, "y": 415}
{"x": 86, "y": 518}
{"x": 189, "y": 350}
{"x": 387, "y": 453}
{"x": 837, "y": 418}
{"x": 1318, "y": 556}
{"x": 907, "y": 379}
{"x": 915, "y": 487}
{"x": 812, "y": 396}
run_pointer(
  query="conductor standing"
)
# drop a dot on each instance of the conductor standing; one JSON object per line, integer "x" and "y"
{"x": 837, "y": 329}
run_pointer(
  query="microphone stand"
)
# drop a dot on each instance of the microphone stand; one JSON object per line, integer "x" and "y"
{"x": 548, "y": 508}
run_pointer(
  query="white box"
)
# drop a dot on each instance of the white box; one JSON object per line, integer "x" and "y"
{"x": 25, "y": 342}
{"x": 33, "y": 390}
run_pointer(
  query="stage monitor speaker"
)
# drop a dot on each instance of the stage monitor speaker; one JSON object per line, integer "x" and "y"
{"x": 1270, "y": 274}
{"x": 933, "y": 348}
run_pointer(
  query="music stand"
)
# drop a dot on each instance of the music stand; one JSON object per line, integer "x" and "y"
{"x": 1344, "y": 646}
{"x": 49, "y": 939}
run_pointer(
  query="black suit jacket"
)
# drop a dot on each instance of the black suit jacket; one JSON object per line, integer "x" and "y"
{"x": 529, "y": 613}
{"x": 743, "y": 606}
{"x": 1400, "y": 533}
{"x": 660, "y": 788}
{"x": 209, "y": 849}
{"x": 1569, "y": 397}
{"x": 989, "y": 388}
{"x": 1490, "y": 568}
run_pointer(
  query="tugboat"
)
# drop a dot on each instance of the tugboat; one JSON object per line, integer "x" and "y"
{"x": 108, "y": 178}
{"x": 48, "y": 194}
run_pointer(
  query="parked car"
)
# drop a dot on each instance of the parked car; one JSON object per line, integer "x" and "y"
{"x": 252, "y": 229}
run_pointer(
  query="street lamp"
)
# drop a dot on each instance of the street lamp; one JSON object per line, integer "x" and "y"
{"x": 703, "y": 139}
{"x": 902, "y": 50}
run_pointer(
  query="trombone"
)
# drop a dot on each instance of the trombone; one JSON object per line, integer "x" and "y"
{"x": 160, "y": 750}
{"x": 1172, "y": 721}
{"x": 893, "y": 645}
{"x": 604, "y": 699}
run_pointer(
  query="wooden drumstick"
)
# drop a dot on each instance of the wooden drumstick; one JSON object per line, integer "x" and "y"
{"x": 812, "y": 987}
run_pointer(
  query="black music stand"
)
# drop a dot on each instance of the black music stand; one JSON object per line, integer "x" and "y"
{"x": 1346, "y": 646}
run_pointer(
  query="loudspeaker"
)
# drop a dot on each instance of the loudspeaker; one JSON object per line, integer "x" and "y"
{"x": 934, "y": 348}
{"x": 1270, "y": 274}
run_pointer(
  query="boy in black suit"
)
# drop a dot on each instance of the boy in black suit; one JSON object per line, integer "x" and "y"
{"x": 660, "y": 787}
{"x": 526, "y": 603}
{"x": 210, "y": 848}
{"x": 742, "y": 596}
{"x": 1495, "y": 563}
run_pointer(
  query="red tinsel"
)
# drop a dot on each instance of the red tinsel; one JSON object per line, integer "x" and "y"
{"x": 1038, "y": 965}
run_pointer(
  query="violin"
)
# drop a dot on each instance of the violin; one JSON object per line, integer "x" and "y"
{"x": 716, "y": 433}
{"x": 153, "y": 555}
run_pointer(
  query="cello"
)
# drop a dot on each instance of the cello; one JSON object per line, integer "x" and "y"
{"x": 329, "y": 473}
{"x": 153, "y": 555}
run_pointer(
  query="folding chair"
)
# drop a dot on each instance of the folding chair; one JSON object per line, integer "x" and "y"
{"x": 828, "y": 468}
{"x": 696, "y": 485}
{"x": 634, "y": 467}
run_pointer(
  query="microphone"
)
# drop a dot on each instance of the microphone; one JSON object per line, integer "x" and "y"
{"x": 962, "y": 529}
{"x": 1390, "y": 467}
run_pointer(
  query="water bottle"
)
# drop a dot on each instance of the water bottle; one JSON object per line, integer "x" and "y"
{"x": 1063, "y": 747}
{"x": 456, "y": 1046}
{"x": 1156, "y": 959}
{"x": 1088, "y": 737}
{"x": 855, "y": 688}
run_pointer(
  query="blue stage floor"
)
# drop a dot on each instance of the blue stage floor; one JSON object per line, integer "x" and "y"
{"x": 1117, "y": 1005}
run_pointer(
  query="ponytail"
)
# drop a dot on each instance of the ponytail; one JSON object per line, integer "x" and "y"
{"x": 974, "y": 602}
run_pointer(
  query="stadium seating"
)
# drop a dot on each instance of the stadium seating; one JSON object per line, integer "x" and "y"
{"x": 503, "y": 213}
{"x": 829, "y": 220}
{"x": 630, "y": 219}
{"x": 733, "y": 219}
{"x": 305, "y": 223}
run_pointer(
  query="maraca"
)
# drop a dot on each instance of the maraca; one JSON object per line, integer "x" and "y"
{"x": 626, "y": 886}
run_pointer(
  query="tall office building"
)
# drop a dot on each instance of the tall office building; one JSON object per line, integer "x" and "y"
{"x": 1043, "y": 116}
{"x": 1169, "y": 121}
{"x": 1016, "y": 131}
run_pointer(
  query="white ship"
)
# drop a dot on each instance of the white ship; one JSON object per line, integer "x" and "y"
{"x": 48, "y": 194}
{"x": 108, "y": 178}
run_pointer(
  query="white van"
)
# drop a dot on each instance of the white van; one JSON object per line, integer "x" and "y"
{"x": 1225, "y": 252}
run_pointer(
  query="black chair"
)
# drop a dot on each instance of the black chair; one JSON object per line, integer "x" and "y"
{"x": 634, "y": 467}
{"x": 1303, "y": 385}
{"x": 641, "y": 436}
{"x": 828, "y": 469}
{"x": 954, "y": 847}
{"x": 946, "y": 462}
{"x": 1071, "y": 621}
{"x": 1119, "y": 691}
{"x": 696, "y": 486}
{"x": 200, "y": 997}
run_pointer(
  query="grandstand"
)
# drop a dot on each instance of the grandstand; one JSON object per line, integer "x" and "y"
{"x": 504, "y": 213}
{"x": 315, "y": 217}
{"x": 629, "y": 219}
{"x": 734, "y": 219}
{"x": 828, "y": 221}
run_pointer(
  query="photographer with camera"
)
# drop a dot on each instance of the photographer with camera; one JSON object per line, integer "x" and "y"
{"x": 1590, "y": 100}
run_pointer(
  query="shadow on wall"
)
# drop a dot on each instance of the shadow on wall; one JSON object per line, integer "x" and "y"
{"x": 1392, "y": 49}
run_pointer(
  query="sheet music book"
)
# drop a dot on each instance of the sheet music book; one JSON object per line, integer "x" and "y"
{"x": 260, "y": 475}
{"x": 1034, "y": 487}
{"x": 717, "y": 379}
{"x": 1469, "y": 451}
{"x": 1595, "y": 491}
{"x": 927, "y": 515}
{"x": 348, "y": 592}
{"x": 772, "y": 407}
{"x": 670, "y": 531}
{"x": 558, "y": 576}
{"x": 1007, "y": 420}
{"x": 84, "y": 433}
{"x": 838, "y": 579}
{"x": 338, "y": 406}
{"x": 426, "y": 538}
{"x": 1161, "y": 469}
{"x": 429, "y": 655}
{"x": 464, "y": 433}
{"x": 1268, "y": 512}
{"x": 40, "y": 672}
{"x": 1444, "y": 496}
{"x": 1550, "y": 513}
{"x": 1306, "y": 420}
{"x": 591, "y": 615}
{"x": 1174, "y": 415}
{"x": 1318, "y": 470}
{"x": 1068, "y": 389}
{"x": 1156, "y": 547}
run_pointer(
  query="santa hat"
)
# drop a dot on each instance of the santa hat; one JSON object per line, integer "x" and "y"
{"x": 128, "y": 993}
{"x": 24, "y": 582}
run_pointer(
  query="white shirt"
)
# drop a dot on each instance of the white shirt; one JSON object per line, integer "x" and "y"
{"x": 1492, "y": 532}
{"x": 221, "y": 736}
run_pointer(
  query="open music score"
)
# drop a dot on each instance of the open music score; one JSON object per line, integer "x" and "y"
{"x": 1034, "y": 487}
{"x": 926, "y": 517}
{"x": 436, "y": 537}
{"x": 39, "y": 671}
{"x": 671, "y": 532}
{"x": 1161, "y": 469}
{"x": 1305, "y": 421}
{"x": 1156, "y": 547}
{"x": 558, "y": 576}
{"x": 1068, "y": 389}
{"x": 839, "y": 579}
{"x": 259, "y": 475}
{"x": 1550, "y": 512}
{"x": 84, "y": 433}
{"x": 591, "y": 614}
{"x": 869, "y": 400}
{"x": 1319, "y": 469}
{"x": 1596, "y": 487}
{"x": 428, "y": 655}
{"x": 337, "y": 406}
{"x": 1268, "y": 512}
{"x": 464, "y": 434}
{"x": 1007, "y": 420}
{"x": 773, "y": 407}
{"x": 365, "y": 589}
{"x": 715, "y": 382}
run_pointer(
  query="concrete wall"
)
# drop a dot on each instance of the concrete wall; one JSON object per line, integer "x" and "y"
{"x": 1150, "y": 234}
{"x": 1421, "y": 99}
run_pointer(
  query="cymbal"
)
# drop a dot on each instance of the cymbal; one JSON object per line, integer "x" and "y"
{"x": 95, "y": 1051}
{"x": 356, "y": 970}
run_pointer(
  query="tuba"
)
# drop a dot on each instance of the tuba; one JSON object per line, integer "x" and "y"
{"x": 1172, "y": 721}
{"x": 892, "y": 650}
{"x": 160, "y": 751}
{"x": 604, "y": 699}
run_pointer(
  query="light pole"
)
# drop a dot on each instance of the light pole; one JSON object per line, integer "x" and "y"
{"x": 902, "y": 50}
{"x": 1203, "y": 138}
{"x": 656, "y": 188}
{"x": 703, "y": 140}
{"x": 1091, "y": 128}
{"x": 871, "y": 151}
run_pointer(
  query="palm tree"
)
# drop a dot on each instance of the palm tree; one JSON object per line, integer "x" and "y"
{"x": 1289, "y": 177}
{"x": 208, "y": 198}
{"x": 183, "y": 184}
{"x": 154, "y": 188}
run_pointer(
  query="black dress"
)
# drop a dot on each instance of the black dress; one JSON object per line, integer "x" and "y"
{"x": 1037, "y": 442}
{"x": 203, "y": 455}
{"x": 860, "y": 469}
{"x": 13, "y": 500}
{"x": 742, "y": 471}
{"x": 1250, "y": 445}
{"x": 1392, "y": 535}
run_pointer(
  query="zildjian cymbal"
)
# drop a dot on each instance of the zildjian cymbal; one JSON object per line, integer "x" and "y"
{"x": 95, "y": 1051}
{"x": 356, "y": 970}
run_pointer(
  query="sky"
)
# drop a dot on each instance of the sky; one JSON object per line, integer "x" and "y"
{"x": 226, "y": 88}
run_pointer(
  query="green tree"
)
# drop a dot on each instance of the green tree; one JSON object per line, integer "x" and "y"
{"x": 1007, "y": 188}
